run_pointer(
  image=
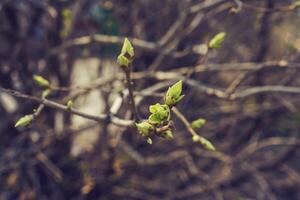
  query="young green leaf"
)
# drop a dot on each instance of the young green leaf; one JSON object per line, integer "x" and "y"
{"x": 176, "y": 89}
{"x": 160, "y": 113}
{"x": 145, "y": 128}
{"x": 217, "y": 40}
{"x": 198, "y": 123}
{"x": 154, "y": 119}
{"x": 127, "y": 48}
{"x": 173, "y": 94}
{"x": 204, "y": 142}
{"x": 24, "y": 121}
{"x": 41, "y": 81}
{"x": 123, "y": 61}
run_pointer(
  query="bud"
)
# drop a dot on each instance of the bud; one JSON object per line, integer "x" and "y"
{"x": 127, "y": 48}
{"x": 24, "y": 121}
{"x": 144, "y": 128}
{"x": 198, "y": 123}
{"x": 127, "y": 53}
{"x": 42, "y": 82}
{"x": 204, "y": 142}
{"x": 123, "y": 61}
{"x": 173, "y": 94}
{"x": 160, "y": 113}
{"x": 149, "y": 140}
{"x": 46, "y": 93}
{"x": 70, "y": 104}
{"x": 167, "y": 135}
{"x": 217, "y": 40}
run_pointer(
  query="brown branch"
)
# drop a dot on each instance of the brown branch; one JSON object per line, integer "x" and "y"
{"x": 99, "y": 118}
{"x": 264, "y": 89}
{"x": 184, "y": 121}
{"x": 130, "y": 90}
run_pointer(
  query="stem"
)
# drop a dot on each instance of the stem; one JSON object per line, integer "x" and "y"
{"x": 99, "y": 118}
{"x": 131, "y": 97}
{"x": 38, "y": 111}
{"x": 184, "y": 121}
{"x": 203, "y": 141}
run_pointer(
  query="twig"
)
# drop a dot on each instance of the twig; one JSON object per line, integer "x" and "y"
{"x": 38, "y": 111}
{"x": 99, "y": 118}
{"x": 264, "y": 89}
{"x": 184, "y": 121}
{"x": 130, "y": 90}
{"x": 50, "y": 166}
{"x": 203, "y": 141}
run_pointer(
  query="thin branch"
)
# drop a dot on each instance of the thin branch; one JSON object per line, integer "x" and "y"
{"x": 130, "y": 90}
{"x": 243, "y": 66}
{"x": 38, "y": 111}
{"x": 264, "y": 89}
{"x": 99, "y": 118}
{"x": 184, "y": 121}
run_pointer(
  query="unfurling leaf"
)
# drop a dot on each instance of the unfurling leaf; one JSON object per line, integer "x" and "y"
{"x": 144, "y": 128}
{"x": 204, "y": 142}
{"x": 173, "y": 95}
{"x": 217, "y": 40}
{"x": 24, "y": 121}
{"x": 160, "y": 113}
{"x": 154, "y": 119}
{"x": 127, "y": 53}
{"x": 70, "y": 104}
{"x": 198, "y": 123}
{"x": 41, "y": 81}
{"x": 127, "y": 49}
{"x": 123, "y": 61}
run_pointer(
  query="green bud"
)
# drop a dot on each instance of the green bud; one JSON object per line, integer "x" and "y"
{"x": 46, "y": 93}
{"x": 173, "y": 94}
{"x": 70, "y": 104}
{"x": 42, "y": 82}
{"x": 196, "y": 138}
{"x": 123, "y": 61}
{"x": 204, "y": 142}
{"x": 198, "y": 123}
{"x": 217, "y": 40}
{"x": 24, "y": 121}
{"x": 127, "y": 53}
{"x": 154, "y": 119}
{"x": 167, "y": 135}
{"x": 127, "y": 49}
{"x": 160, "y": 113}
{"x": 149, "y": 140}
{"x": 144, "y": 128}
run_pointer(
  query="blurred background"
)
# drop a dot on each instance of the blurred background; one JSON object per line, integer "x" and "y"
{"x": 248, "y": 90}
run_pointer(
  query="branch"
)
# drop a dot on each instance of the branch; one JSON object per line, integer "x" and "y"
{"x": 99, "y": 118}
{"x": 264, "y": 89}
{"x": 130, "y": 90}
{"x": 195, "y": 136}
